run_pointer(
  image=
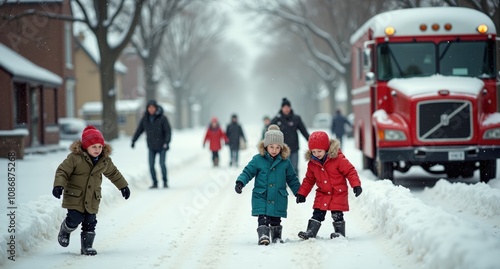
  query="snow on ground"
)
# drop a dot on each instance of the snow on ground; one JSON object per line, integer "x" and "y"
{"x": 200, "y": 222}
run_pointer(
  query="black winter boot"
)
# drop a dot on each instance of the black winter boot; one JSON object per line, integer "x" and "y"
{"x": 339, "y": 227}
{"x": 276, "y": 234}
{"x": 64, "y": 233}
{"x": 312, "y": 229}
{"x": 87, "y": 241}
{"x": 263, "y": 233}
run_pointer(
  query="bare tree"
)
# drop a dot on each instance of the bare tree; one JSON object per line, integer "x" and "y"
{"x": 148, "y": 38}
{"x": 188, "y": 41}
{"x": 103, "y": 18}
{"x": 325, "y": 27}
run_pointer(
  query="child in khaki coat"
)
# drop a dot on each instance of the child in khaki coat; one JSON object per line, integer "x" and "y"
{"x": 79, "y": 176}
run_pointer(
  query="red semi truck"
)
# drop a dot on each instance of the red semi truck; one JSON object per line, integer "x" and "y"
{"x": 424, "y": 92}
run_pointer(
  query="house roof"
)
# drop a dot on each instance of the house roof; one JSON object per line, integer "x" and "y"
{"x": 89, "y": 46}
{"x": 24, "y": 70}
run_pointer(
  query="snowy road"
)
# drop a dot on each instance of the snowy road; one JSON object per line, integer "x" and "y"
{"x": 200, "y": 222}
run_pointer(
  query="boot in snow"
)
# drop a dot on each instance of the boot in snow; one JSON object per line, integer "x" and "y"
{"x": 263, "y": 233}
{"x": 64, "y": 233}
{"x": 312, "y": 229}
{"x": 339, "y": 227}
{"x": 87, "y": 241}
{"x": 216, "y": 162}
{"x": 276, "y": 234}
{"x": 154, "y": 186}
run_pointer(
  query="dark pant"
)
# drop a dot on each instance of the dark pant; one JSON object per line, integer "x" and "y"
{"x": 268, "y": 220}
{"x": 294, "y": 158}
{"x": 319, "y": 215}
{"x": 152, "y": 170}
{"x": 234, "y": 157}
{"x": 75, "y": 217}
{"x": 215, "y": 155}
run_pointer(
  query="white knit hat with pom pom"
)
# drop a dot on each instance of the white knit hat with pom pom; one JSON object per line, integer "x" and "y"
{"x": 273, "y": 136}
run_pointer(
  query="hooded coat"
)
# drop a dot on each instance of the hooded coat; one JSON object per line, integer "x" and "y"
{"x": 234, "y": 132}
{"x": 157, "y": 127}
{"x": 330, "y": 178}
{"x": 289, "y": 124}
{"x": 82, "y": 180}
{"x": 272, "y": 175}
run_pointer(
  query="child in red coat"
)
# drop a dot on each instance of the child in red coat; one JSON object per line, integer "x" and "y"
{"x": 328, "y": 168}
{"x": 214, "y": 136}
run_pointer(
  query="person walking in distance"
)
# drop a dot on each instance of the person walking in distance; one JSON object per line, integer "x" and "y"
{"x": 338, "y": 125}
{"x": 290, "y": 123}
{"x": 158, "y": 136}
{"x": 235, "y": 136}
{"x": 214, "y": 136}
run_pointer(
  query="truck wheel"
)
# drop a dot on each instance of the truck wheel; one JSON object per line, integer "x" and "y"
{"x": 368, "y": 164}
{"x": 487, "y": 170}
{"x": 385, "y": 170}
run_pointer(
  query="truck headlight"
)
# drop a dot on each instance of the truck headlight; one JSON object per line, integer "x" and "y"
{"x": 492, "y": 134}
{"x": 391, "y": 135}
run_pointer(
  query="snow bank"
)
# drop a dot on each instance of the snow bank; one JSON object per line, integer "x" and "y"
{"x": 431, "y": 235}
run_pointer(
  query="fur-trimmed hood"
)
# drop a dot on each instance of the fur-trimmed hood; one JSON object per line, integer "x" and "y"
{"x": 76, "y": 148}
{"x": 332, "y": 152}
{"x": 285, "y": 150}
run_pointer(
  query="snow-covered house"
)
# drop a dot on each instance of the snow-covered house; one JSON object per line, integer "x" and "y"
{"x": 35, "y": 100}
{"x": 28, "y": 98}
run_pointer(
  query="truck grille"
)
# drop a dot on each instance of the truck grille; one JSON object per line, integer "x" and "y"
{"x": 444, "y": 120}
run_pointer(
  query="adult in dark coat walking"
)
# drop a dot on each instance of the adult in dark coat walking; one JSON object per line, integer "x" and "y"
{"x": 289, "y": 124}
{"x": 338, "y": 125}
{"x": 234, "y": 133}
{"x": 158, "y": 135}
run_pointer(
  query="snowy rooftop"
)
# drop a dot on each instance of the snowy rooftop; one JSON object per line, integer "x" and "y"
{"x": 23, "y": 69}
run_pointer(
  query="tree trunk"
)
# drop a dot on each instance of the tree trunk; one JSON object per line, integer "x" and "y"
{"x": 151, "y": 83}
{"x": 110, "y": 127}
{"x": 348, "y": 86}
{"x": 178, "y": 107}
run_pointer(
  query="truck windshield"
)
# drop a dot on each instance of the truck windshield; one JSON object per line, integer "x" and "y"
{"x": 457, "y": 58}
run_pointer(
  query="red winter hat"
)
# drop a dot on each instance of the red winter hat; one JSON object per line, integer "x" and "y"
{"x": 319, "y": 140}
{"x": 91, "y": 136}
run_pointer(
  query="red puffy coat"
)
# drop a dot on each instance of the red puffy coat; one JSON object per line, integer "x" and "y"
{"x": 330, "y": 178}
{"x": 214, "y": 137}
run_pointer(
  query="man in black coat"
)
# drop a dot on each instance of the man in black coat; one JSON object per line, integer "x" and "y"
{"x": 289, "y": 124}
{"x": 234, "y": 133}
{"x": 338, "y": 125}
{"x": 158, "y": 135}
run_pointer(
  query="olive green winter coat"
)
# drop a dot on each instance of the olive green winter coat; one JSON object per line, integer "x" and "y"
{"x": 82, "y": 180}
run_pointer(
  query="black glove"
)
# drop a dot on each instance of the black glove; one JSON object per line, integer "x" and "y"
{"x": 357, "y": 190}
{"x": 300, "y": 199}
{"x": 133, "y": 144}
{"x": 125, "y": 192}
{"x": 239, "y": 187}
{"x": 57, "y": 191}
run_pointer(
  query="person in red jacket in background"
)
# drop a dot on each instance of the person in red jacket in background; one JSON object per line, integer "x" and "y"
{"x": 214, "y": 136}
{"x": 328, "y": 169}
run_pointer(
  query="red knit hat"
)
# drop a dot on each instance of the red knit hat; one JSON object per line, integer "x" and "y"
{"x": 319, "y": 140}
{"x": 91, "y": 136}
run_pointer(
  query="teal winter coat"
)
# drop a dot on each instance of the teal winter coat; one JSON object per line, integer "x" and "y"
{"x": 270, "y": 195}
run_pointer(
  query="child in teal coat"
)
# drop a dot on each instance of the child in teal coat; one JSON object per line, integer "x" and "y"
{"x": 273, "y": 171}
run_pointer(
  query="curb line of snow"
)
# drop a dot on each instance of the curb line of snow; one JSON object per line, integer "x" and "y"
{"x": 423, "y": 230}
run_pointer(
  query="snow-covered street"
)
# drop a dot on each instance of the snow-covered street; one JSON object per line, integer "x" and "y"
{"x": 200, "y": 222}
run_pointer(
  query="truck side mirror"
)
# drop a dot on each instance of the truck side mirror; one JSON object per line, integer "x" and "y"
{"x": 369, "y": 78}
{"x": 367, "y": 60}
